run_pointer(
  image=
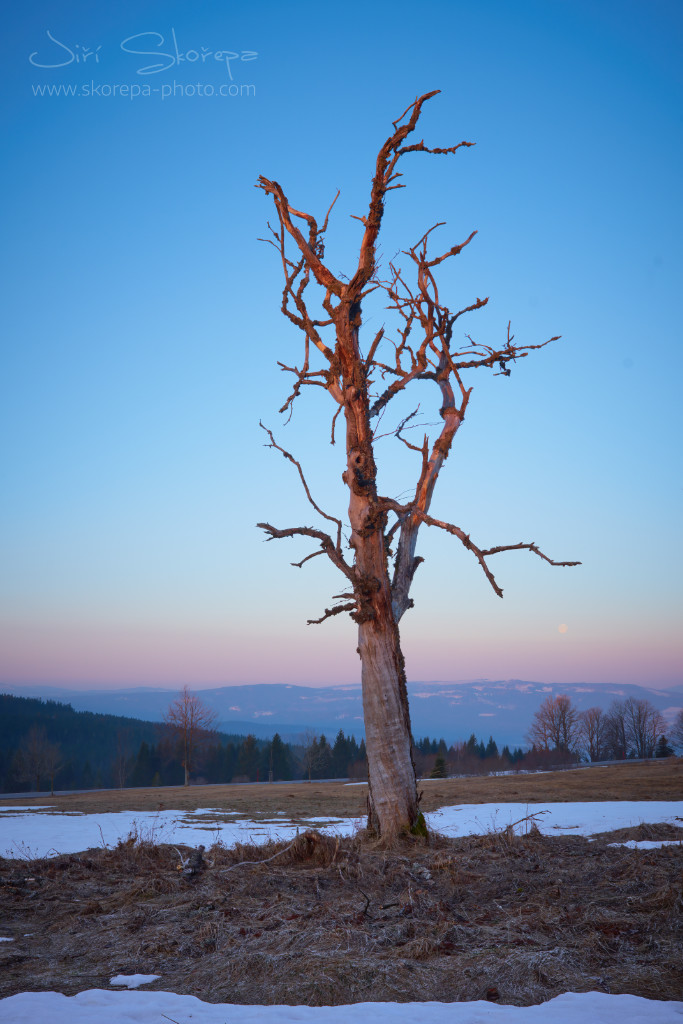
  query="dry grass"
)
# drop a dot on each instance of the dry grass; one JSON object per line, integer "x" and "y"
{"x": 656, "y": 780}
{"x": 513, "y": 919}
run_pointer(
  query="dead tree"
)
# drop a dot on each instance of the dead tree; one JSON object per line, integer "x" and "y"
{"x": 362, "y": 383}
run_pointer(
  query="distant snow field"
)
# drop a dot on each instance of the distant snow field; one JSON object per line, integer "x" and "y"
{"x": 46, "y": 831}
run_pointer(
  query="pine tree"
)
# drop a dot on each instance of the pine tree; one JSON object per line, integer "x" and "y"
{"x": 663, "y": 748}
{"x": 342, "y": 755}
{"x": 472, "y": 746}
{"x": 324, "y": 764}
{"x": 279, "y": 759}
{"x": 248, "y": 758}
{"x": 142, "y": 773}
{"x": 491, "y": 748}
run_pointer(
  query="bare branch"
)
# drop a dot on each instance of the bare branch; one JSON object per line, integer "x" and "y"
{"x": 529, "y": 547}
{"x": 482, "y": 554}
{"x": 373, "y": 349}
{"x": 334, "y": 420}
{"x": 287, "y": 455}
{"x": 326, "y": 543}
{"x": 327, "y": 215}
{"x": 411, "y": 510}
{"x": 313, "y": 554}
{"x": 385, "y": 173}
{"x": 307, "y": 247}
{"x": 329, "y": 612}
{"x": 451, "y": 252}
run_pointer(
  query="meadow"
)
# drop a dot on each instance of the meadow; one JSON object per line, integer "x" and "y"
{"x": 512, "y": 916}
{"x": 654, "y": 780}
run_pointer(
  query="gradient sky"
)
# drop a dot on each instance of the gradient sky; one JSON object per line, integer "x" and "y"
{"x": 141, "y": 332}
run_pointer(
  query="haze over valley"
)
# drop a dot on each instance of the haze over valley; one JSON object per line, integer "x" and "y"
{"x": 453, "y": 710}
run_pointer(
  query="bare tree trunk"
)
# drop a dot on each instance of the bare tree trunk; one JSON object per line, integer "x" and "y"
{"x": 392, "y": 797}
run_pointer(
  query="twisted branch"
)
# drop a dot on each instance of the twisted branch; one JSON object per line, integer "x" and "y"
{"x": 481, "y": 554}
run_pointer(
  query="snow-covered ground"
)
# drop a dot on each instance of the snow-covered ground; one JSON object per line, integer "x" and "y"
{"x": 46, "y": 831}
{"x": 101, "y": 1007}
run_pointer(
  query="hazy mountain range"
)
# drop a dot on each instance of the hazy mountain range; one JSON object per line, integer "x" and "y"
{"x": 452, "y": 710}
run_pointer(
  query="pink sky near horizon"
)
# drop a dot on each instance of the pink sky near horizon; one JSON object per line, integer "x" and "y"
{"x": 111, "y": 655}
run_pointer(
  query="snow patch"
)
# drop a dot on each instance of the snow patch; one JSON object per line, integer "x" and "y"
{"x": 144, "y": 1007}
{"x": 134, "y": 980}
{"x": 648, "y": 844}
{"x": 28, "y": 835}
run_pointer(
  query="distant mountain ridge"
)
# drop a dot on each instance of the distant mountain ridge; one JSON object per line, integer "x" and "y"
{"x": 452, "y": 710}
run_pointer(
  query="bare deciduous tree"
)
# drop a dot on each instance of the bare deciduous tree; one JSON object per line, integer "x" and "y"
{"x": 644, "y": 726}
{"x": 192, "y": 721}
{"x": 37, "y": 757}
{"x": 632, "y": 728}
{"x": 616, "y": 738}
{"x": 556, "y": 725}
{"x": 593, "y": 733}
{"x": 362, "y": 381}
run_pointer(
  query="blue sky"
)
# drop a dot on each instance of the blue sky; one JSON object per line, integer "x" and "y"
{"x": 141, "y": 332}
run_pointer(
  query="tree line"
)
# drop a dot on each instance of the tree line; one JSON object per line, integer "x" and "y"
{"x": 434, "y": 759}
{"x": 46, "y": 744}
{"x": 630, "y": 728}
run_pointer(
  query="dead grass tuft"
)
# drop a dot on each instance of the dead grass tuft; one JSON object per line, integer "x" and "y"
{"x": 658, "y": 832}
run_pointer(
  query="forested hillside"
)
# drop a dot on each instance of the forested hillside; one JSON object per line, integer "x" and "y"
{"x": 44, "y": 741}
{"x": 46, "y": 745}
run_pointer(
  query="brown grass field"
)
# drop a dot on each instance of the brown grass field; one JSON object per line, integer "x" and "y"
{"x": 655, "y": 780}
{"x": 325, "y": 921}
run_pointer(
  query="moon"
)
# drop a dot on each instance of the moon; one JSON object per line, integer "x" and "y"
{"x": 562, "y": 628}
